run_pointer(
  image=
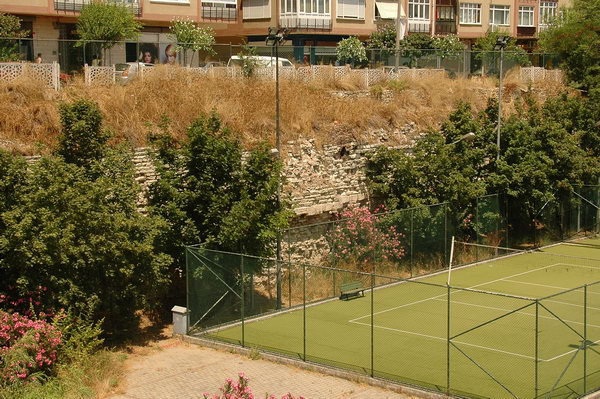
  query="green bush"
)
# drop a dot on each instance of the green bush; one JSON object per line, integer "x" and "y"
{"x": 208, "y": 194}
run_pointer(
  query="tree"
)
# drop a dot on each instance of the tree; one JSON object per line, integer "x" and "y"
{"x": 416, "y": 46}
{"x": 485, "y": 50}
{"x": 190, "y": 36}
{"x": 71, "y": 224}
{"x": 575, "y": 37}
{"x": 546, "y": 152}
{"x": 209, "y": 195}
{"x": 10, "y": 28}
{"x": 351, "y": 50}
{"x": 84, "y": 240}
{"x": 384, "y": 39}
{"x": 83, "y": 139}
{"x": 105, "y": 23}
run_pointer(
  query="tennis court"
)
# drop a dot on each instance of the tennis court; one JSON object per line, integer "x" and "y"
{"x": 521, "y": 324}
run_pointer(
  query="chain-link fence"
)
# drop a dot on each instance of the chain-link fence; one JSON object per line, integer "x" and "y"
{"x": 404, "y": 243}
{"x": 524, "y": 325}
{"x": 72, "y": 56}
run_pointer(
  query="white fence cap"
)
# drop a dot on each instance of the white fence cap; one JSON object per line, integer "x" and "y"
{"x": 179, "y": 309}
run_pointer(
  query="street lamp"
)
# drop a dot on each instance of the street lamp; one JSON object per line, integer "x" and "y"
{"x": 501, "y": 43}
{"x": 275, "y": 37}
{"x": 467, "y": 137}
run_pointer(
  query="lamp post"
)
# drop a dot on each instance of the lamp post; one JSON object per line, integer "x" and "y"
{"x": 275, "y": 37}
{"x": 501, "y": 42}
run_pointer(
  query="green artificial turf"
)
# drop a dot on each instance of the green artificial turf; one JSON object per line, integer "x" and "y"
{"x": 500, "y": 345}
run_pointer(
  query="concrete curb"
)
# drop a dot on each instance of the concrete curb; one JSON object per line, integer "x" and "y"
{"x": 348, "y": 375}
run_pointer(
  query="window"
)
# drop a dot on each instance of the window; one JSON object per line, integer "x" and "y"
{"x": 526, "y": 16}
{"x": 164, "y": 1}
{"x": 315, "y": 7}
{"x": 418, "y": 9}
{"x": 445, "y": 13}
{"x": 470, "y": 13}
{"x": 289, "y": 7}
{"x": 256, "y": 9}
{"x": 547, "y": 11}
{"x": 351, "y": 9}
{"x": 499, "y": 15}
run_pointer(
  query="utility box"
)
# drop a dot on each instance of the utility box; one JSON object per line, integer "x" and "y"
{"x": 180, "y": 320}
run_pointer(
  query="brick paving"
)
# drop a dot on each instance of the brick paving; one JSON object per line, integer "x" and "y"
{"x": 177, "y": 370}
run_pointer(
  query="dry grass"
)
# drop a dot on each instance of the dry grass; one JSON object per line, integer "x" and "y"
{"x": 29, "y": 120}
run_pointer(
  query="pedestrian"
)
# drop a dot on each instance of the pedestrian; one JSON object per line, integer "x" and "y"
{"x": 38, "y": 59}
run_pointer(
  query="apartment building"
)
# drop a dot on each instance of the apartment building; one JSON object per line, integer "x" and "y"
{"x": 311, "y": 22}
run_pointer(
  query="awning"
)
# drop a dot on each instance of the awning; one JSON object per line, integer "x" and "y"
{"x": 389, "y": 10}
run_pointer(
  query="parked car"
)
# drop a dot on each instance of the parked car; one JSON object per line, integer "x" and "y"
{"x": 127, "y": 71}
{"x": 263, "y": 61}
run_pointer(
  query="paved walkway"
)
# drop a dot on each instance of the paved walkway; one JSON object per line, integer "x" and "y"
{"x": 177, "y": 370}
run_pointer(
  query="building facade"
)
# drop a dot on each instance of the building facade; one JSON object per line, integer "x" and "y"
{"x": 311, "y": 22}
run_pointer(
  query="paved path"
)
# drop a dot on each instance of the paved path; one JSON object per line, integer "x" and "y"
{"x": 177, "y": 370}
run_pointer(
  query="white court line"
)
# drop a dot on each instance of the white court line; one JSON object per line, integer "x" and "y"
{"x": 567, "y": 353}
{"x": 463, "y": 343}
{"x": 445, "y": 294}
{"x": 550, "y": 286}
{"x": 520, "y": 312}
{"x": 445, "y": 339}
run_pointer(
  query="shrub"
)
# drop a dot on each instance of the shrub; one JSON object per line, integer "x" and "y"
{"x": 28, "y": 348}
{"x": 359, "y": 238}
{"x": 241, "y": 390}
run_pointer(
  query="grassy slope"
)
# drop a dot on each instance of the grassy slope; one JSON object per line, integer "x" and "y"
{"x": 29, "y": 119}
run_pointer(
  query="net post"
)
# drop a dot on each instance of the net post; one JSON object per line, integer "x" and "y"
{"x": 243, "y": 295}
{"x": 537, "y": 343}
{"x": 372, "y": 325}
{"x": 304, "y": 311}
{"x": 585, "y": 342}
{"x": 448, "y": 343}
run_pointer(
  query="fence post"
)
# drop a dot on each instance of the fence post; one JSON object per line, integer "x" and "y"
{"x": 304, "y": 311}
{"x": 243, "y": 294}
{"x": 448, "y": 343}
{"x": 585, "y": 342}
{"x": 412, "y": 249}
{"x": 537, "y": 342}
{"x": 372, "y": 326}
{"x": 55, "y": 76}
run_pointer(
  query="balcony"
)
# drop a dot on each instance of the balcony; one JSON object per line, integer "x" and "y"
{"x": 306, "y": 21}
{"x": 77, "y": 5}
{"x": 526, "y": 31}
{"x": 445, "y": 27}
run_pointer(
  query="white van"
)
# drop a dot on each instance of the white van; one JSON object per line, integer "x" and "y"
{"x": 263, "y": 61}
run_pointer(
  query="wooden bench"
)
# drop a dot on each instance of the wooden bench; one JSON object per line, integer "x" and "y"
{"x": 353, "y": 289}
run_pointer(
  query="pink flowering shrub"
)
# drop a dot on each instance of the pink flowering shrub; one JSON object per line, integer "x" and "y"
{"x": 241, "y": 390}
{"x": 28, "y": 347}
{"x": 360, "y": 238}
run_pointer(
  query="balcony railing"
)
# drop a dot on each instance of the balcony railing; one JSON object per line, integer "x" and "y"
{"x": 219, "y": 13}
{"x": 306, "y": 21}
{"x": 418, "y": 26}
{"x": 445, "y": 27}
{"x": 526, "y": 31}
{"x": 77, "y": 5}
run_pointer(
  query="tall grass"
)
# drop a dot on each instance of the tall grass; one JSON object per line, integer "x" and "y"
{"x": 29, "y": 120}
